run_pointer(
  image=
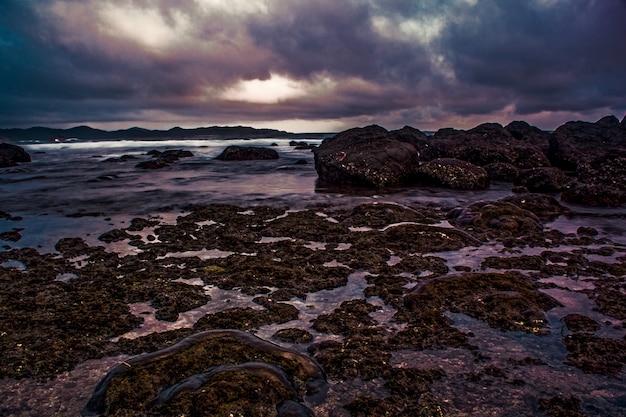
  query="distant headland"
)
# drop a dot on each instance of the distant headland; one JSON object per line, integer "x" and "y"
{"x": 89, "y": 133}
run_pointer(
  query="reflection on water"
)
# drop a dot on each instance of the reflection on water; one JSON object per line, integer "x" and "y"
{"x": 76, "y": 180}
{"x": 71, "y": 190}
{"x": 513, "y": 391}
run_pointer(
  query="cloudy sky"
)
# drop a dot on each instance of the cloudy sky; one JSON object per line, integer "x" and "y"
{"x": 310, "y": 65}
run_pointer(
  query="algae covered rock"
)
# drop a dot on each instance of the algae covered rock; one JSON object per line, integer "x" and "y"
{"x": 578, "y": 322}
{"x": 496, "y": 219}
{"x": 383, "y": 214}
{"x": 574, "y": 142}
{"x": 543, "y": 180}
{"x": 560, "y": 406}
{"x": 545, "y": 207}
{"x": 595, "y": 195}
{"x": 508, "y": 301}
{"x": 213, "y": 373}
{"x": 501, "y": 171}
{"x": 594, "y": 354}
{"x": 452, "y": 173}
{"x": 247, "y": 318}
{"x": 490, "y": 143}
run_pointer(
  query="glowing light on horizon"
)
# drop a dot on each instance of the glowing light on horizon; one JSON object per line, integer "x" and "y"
{"x": 278, "y": 88}
{"x": 273, "y": 90}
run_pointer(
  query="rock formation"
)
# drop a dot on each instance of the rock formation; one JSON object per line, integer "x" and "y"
{"x": 452, "y": 173}
{"x": 584, "y": 161}
{"x": 247, "y": 153}
{"x": 10, "y": 155}
{"x": 369, "y": 157}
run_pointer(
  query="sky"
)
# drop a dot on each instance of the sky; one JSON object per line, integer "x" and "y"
{"x": 310, "y": 65}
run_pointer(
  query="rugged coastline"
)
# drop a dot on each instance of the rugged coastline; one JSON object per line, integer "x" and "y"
{"x": 508, "y": 306}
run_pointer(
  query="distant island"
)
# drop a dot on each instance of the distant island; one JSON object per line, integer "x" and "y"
{"x": 89, "y": 133}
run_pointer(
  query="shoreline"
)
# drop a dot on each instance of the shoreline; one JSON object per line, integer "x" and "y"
{"x": 391, "y": 269}
{"x": 410, "y": 299}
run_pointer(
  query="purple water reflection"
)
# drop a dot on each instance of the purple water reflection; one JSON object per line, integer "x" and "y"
{"x": 74, "y": 179}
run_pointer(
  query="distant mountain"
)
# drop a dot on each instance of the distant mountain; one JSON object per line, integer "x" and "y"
{"x": 89, "y": 133}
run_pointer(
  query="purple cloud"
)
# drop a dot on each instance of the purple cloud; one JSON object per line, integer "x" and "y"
{"x": 322, "y": 63}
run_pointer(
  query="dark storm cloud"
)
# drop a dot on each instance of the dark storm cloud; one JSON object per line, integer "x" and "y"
{"x": 425, "y": 63}
{"x": 561, "y": 58}
{"x": 337, "y": 37}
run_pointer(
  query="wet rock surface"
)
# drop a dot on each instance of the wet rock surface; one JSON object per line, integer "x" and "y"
{"x": 247, "y": 153}
{"x": 11, "y": 155}
{"x": 161, "y": 159}
{"x": 584, "y": 161}
{"x": 369, "y": 156}
{"x": 543, "y": 180}
{"x": 452, "y": 173}
{"x": 508, "y": 301}
{"x": 596, "y": 355}
{"x": 559, "y": 406}
{"x": 206, "y": 373}
{"x": 373, "y": 295}
{"x": 489, "y": 143}
{"x": 499, "y": 220}
{"x": 578, "y": 322}
{"x": 576, "y": 142}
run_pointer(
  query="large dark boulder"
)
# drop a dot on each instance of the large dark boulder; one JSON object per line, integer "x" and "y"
{"x": 543, "y": 180}
{"x": 596, "y": 152}
{"x": 452, "y": 173}
{"x": 501, "y": 171}
{"x": 411, "y": 135}
{"x": 10, "y": 155}
{"x": 606, "y": 168}
{"x": 369, "y": 156}
{"x": 532, "y": 135}
{"x": 575, "y": 142}
{"x": 247, "y": 153}
{"x": 595, "y": 195}
{"x": 6, "y": 163}
{"x": 490, "y": 143}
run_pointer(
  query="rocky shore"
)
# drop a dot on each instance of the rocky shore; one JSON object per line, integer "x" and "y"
{"x": 586, "y": 161}
{"x": 515, "y": 306}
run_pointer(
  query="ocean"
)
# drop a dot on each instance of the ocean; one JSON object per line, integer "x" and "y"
{"x": 68, "y": 185}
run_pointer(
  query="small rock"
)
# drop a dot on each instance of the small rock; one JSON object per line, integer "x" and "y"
{"x": 247, "y": 153}
{"x": 586, "y": 231}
